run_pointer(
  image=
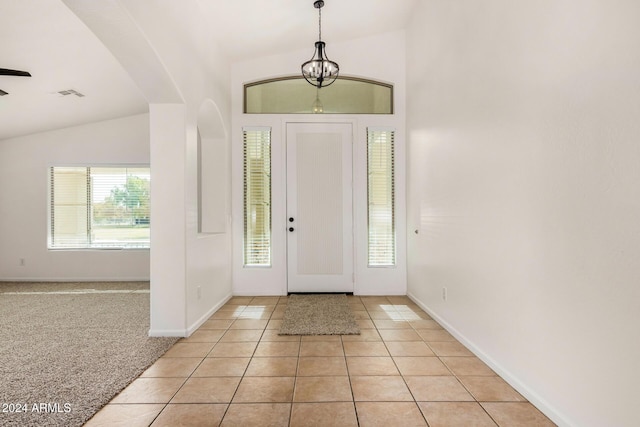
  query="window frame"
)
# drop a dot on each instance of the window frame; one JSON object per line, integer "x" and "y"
{"x": 245, "y": 262}
{"x": 394, "y": 238}
{"x": 50, "y": 224}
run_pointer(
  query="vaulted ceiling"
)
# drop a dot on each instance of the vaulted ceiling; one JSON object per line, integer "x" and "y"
{"x": 46, "y": 39}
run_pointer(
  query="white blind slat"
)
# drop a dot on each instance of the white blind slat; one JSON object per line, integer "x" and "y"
{"x": 69, "y": 212}
{"x": 257, "y": 196}
{"x": 99, "y": 207}
{"x": 381, "y": 198}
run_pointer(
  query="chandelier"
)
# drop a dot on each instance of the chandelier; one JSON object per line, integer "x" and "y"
{"x": 320, "y": 71}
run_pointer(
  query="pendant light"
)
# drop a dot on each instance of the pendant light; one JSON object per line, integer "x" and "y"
{"x": 320, "y": 71}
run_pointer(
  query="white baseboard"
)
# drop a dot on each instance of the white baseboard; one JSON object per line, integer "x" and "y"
{"x": 257, "y": 294}
{"x": 184, "y": 333}
{"x": 378, "y": 294}
{"x": 167, "y": 333}
{"x": 74, "y": 279}
{"x": 542, "y": 404}
{"x": 208, "y": 314}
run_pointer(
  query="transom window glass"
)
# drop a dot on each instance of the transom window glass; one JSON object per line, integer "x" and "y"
{"x": 291, "y": 95}
{"x": 257, "y": 196}
{"x": 381, "y": 197}
{"x": 99, "y": 207}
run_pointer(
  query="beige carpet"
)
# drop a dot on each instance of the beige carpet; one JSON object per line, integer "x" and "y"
{"x": 66, "y": 349}
{"x": 323, "y": 314}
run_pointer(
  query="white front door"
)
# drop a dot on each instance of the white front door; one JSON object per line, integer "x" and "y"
{"x": 319, "y": 207}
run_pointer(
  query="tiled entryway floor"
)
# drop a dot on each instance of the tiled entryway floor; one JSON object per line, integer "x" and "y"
{"x": 403, "y": 370}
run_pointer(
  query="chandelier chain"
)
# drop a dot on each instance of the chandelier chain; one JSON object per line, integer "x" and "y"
{"x": 320, "y": 24}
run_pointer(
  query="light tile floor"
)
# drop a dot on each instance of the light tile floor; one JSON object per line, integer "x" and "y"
{"x": 403, "y": 370}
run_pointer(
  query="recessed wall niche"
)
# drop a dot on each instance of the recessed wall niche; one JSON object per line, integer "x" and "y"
{"x": 212, "y": 171}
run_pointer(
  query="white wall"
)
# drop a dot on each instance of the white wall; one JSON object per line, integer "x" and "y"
{"x": 24, "y": 168}
{"x": 355, "y": 59}
{"x": 168, "y": 51}
{"x": 200, "y": 72}
{"x": 524, "y": 151}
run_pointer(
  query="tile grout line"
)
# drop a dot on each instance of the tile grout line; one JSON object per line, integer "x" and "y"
{"x": 402, "y": 375}
{"x": 226, "y": 411}
{"x": 295, "y": 382}
{"x": 440, "y": 355}
{"x": 353, "y": 396}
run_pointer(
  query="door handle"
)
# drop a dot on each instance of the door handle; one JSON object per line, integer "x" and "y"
{"x": 290, "y": 228}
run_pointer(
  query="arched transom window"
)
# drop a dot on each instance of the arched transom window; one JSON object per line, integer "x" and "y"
{"x": 293, "y": 95}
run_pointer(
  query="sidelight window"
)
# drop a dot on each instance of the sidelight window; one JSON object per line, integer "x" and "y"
{"x": 381, "y": 197}
{"x": 257, "y": 196}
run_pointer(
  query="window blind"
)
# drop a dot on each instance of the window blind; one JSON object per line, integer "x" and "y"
{"x": 381, "y": 198}
{"x": 99, "y": 207}
{"x": 257, "y": 196}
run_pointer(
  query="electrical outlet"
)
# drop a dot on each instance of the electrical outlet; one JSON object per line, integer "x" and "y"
{"x": 22, "y": 262}
{"x": 444, "y": 294}
{"x": 199, "y": 292}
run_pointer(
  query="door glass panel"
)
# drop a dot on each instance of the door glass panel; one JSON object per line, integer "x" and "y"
{"x": 319, "y": 203}
{"x": 319, "y": 207}
{"x": 381, "y": 197}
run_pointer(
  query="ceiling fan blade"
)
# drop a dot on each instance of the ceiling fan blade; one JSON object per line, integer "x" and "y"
{"x": 6, "y": 72}
{"x": 3, "y": 93}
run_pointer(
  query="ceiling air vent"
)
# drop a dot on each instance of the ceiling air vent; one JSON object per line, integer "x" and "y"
{"x": 70, "y": 92}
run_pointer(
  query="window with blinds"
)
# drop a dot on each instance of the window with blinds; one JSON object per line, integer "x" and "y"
{"x": 381, "y": 198}
{"x": 99, "y": 207}
{"x": 257, "y": 196}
